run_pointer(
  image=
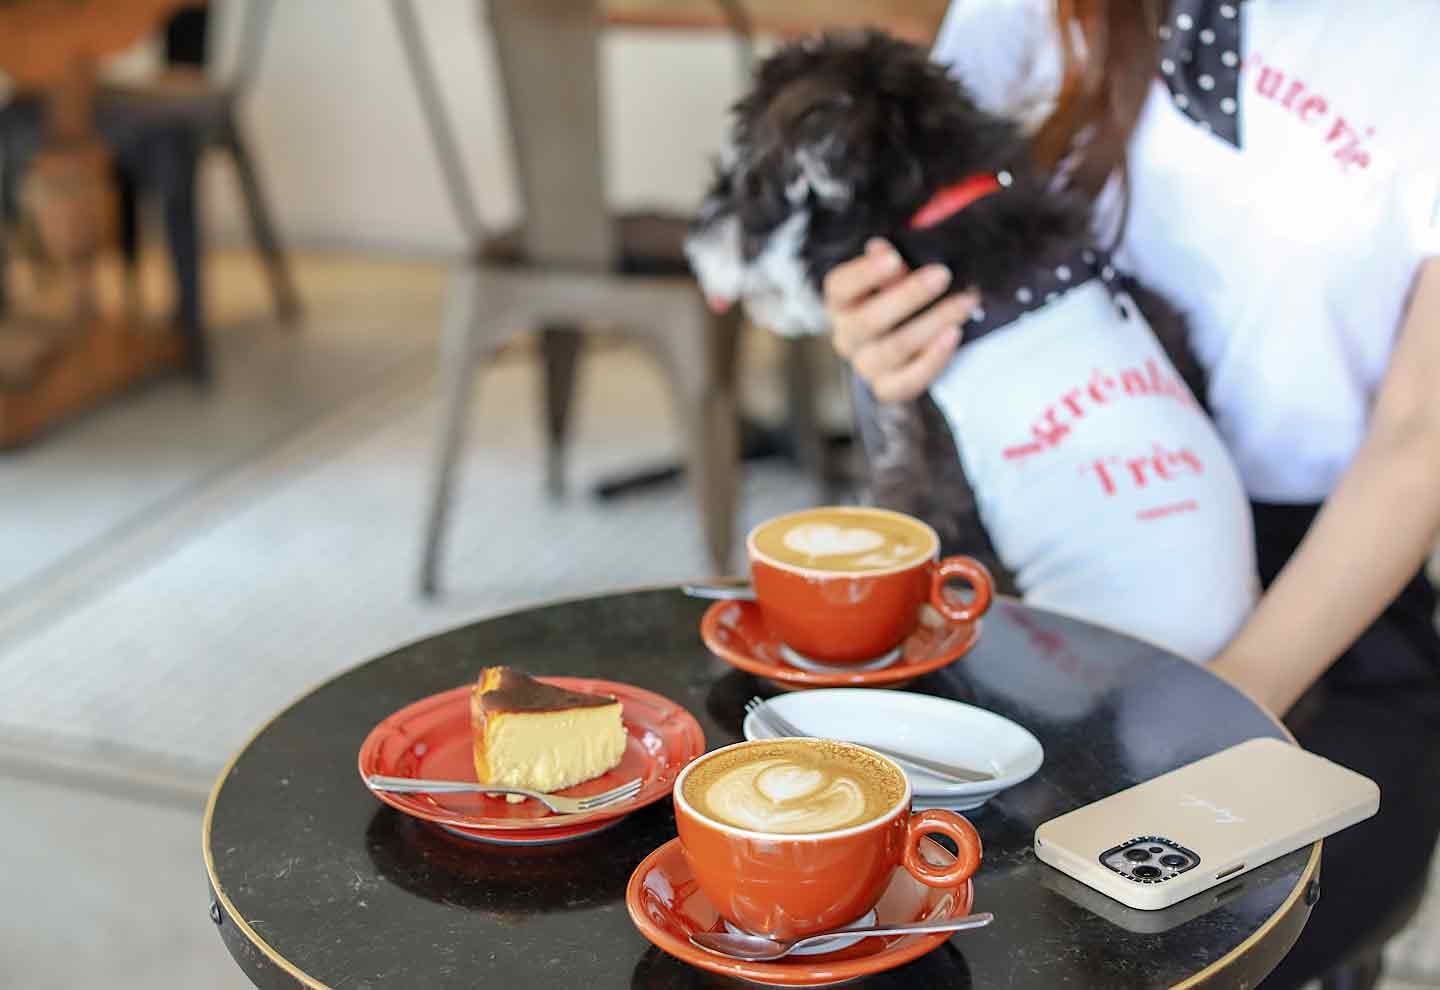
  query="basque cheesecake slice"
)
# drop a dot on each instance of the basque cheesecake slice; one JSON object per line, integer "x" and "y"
{"x": 531, "y": 734}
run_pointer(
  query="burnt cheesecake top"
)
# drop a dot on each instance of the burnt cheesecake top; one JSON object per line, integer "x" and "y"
{"x": 505, "y": 689}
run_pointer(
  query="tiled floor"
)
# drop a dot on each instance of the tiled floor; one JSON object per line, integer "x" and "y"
{"x": 105, "y": 525}
{"x": 104, "y": 890}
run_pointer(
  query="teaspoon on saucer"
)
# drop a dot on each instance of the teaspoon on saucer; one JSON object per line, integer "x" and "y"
{"x": 721, "y": 592}
{"x": 758, "y": 948}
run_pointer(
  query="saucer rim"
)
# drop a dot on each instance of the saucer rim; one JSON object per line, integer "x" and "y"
{"x": 782, "y": 973}
{"x": 897, "y": 673}
{"x": 527, "y": 837}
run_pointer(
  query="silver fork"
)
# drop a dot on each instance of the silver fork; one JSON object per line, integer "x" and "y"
{"x": 945, "y": 771}
{"x": 556, "y": 803}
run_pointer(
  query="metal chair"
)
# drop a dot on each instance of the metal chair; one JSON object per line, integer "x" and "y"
{"x": 186, "y": 97}
{"x": 158, "y": 130}
{"x": 573, "y": 267}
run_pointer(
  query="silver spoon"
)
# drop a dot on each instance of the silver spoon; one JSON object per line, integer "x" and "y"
{"x": 758, "y": 948}
{"x": 721, "y": 592}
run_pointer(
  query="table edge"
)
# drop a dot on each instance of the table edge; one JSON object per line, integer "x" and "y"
{"x": 1249, "y": 944}
{"x": 213, "y": 799}
{"x": 227, "y": 906}
{"x": 1253, "y": 940}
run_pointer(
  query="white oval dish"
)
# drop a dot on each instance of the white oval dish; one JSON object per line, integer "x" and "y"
{"x": 925, "y": 726}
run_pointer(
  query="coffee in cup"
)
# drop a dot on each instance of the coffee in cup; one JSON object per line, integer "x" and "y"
{"x": 846, "y": 540}
{"x": 794, "y": 787}
{"x": 793, "y": 837}
{"x": 845, "y": 584}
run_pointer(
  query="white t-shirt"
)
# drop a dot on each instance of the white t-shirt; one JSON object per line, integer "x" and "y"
{"x": 1293, "y": 255}
{"x": 1096, "y": 473}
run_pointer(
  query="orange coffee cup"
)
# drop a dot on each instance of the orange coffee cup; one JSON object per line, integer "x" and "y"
{"x": 789, "y": 885}
{"x": 836, "y": 614}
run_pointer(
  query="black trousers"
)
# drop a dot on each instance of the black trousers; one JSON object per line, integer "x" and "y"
{"x": 1377, "y": 711}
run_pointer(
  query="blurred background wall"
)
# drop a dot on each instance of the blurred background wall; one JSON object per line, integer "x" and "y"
{"x": 327, "y": 145}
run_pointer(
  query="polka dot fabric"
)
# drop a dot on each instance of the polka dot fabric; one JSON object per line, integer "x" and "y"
{"x": 1200, "y": 63}
{"x": 1042, "y": 285}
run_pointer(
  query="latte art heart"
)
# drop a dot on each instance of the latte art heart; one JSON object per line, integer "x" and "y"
{"x": 794, "y": 786}
{"x": 779, "y": 796}
{"x": 845, "y": 539}
{"x": 827, "y": 540}
{"x": 782, "y": 782}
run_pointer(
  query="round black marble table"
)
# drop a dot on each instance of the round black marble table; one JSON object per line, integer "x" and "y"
{"x": 314, "y": 883}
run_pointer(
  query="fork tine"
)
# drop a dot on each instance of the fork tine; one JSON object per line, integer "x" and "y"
{"x": 774, "y": 720}
{"x": 595, "y": 805}
{"x": 629, "y": 785}
{"x": 626, "y": 790}
{"x": 785, "y": 725}
{"x": 762, "y": 715}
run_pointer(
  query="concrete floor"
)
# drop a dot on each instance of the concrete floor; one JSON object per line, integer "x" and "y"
{"x": 104, "y": 890}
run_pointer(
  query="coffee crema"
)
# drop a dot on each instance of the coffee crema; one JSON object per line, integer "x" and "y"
{"x": 845, "y": 539}
{"x": 794, "y": 786}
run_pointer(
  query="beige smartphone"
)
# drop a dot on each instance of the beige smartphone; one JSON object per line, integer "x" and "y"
{"x": 1159, "y": 842}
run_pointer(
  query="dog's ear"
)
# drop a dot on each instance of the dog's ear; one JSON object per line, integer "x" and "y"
{"x": 808, "y": 124}
{"x": 822, "y": 172}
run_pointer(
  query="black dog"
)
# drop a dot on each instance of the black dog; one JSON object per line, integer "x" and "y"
{"x": 852, "y": 136}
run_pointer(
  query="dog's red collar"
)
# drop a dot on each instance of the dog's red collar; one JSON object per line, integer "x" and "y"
{"x": 950, "y": 200}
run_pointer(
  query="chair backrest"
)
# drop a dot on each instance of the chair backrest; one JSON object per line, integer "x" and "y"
{"x": 187, "y": 39}
{"x": 549, "y": 59}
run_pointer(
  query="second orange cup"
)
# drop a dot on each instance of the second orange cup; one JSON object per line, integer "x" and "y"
{"x": 845, "y": 585}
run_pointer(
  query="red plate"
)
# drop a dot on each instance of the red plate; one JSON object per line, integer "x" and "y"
{"x": 432, "y": 739}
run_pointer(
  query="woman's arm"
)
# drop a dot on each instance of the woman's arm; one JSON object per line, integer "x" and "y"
{"x": 1374, "y": 532}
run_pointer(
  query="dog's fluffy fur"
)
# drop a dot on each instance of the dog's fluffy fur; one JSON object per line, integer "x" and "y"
{"x": 842, "y": 139}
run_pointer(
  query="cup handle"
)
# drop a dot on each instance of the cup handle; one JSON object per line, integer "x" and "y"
{"x": 971, "y": 570}
{"x": 953, "y": 827}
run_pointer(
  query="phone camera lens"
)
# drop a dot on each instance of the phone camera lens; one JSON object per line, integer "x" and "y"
{"x": 1175, "y": 860}
{"x": 1156, "y": 850}
{"x": 1147, "y": 872}
{"x": 1136, "y": 855}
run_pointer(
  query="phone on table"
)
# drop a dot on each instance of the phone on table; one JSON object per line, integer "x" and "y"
{"x": 1159, "y": 842}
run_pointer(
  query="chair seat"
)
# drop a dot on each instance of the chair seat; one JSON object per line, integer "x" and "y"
{"x": 648, "y": 244}
{"x": 125, "y": 117}
{"x": 177, "y": 96}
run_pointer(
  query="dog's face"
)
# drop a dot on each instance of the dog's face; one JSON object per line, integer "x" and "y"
{"x": 841, "y": 139}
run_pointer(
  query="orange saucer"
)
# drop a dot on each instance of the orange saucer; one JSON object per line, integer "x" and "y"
{"x": 668, "y": 907}
{"x": 736, "y": 632}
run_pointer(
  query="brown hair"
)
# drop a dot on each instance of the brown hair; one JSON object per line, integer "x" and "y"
{"x": 1109, "y": 49}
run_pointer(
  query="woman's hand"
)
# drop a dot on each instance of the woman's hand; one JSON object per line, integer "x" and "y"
{"x": 872, "y": 301}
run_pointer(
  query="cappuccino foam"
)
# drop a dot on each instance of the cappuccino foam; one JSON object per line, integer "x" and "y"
{"x": 845, "y": 539}
{"x": 794, "y": 786}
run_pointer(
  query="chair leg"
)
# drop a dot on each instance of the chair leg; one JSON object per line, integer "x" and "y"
{"x": 287, "y": 301}
{"x": 176, "y": 162}
{"x": 802, "y": 412}
{"x": 128, "y": 207}
{"x": 1361, "y": 973}
{"x": 559, "y": 355}
{"x": 702, "y": 365}
{"x": 4, "y": 267}
{"x": 458, "y": 349}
